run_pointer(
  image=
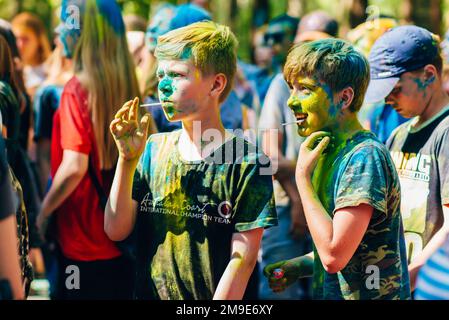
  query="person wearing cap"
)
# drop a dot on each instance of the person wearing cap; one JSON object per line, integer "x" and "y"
{"x": 349, "y": 187}
{"x": 378, "y": 117}
{"x": 406, "y": 68}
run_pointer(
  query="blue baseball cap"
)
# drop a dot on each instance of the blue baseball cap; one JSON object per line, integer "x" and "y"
{"x": 399, "y": 50}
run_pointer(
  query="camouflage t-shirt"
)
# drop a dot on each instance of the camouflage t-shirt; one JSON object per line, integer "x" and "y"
{"x": 188, "y": 212}
{"x": 363, "y": 172}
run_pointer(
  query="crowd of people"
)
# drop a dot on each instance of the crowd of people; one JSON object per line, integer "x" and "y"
{"x": 150, "y": 159}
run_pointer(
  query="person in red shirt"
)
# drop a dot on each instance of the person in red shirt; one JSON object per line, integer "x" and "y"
{"x": 83, "y": 151}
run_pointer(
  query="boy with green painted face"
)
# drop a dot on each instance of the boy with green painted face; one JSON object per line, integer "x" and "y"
{"x": 347, "y": 182}
{"x": 199, "y": 219}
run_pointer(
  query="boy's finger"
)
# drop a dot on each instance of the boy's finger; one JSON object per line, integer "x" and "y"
{"x": 322, "y": 145}
{"x": 113, "y": 125}
{"x": 145, "y": 124}
{"x": 312, "y": 139}
{"x": 123, "y": 110}
{"x": 132, "y": 116}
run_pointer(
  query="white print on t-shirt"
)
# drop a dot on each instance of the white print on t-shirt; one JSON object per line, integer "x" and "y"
{"x": 224, "y": 209}
{"x": 412, "y": 165}
{"x": 414, "y": 175}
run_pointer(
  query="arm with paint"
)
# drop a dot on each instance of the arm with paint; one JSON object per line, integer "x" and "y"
{"x": 284, "y": 273}
{"x": 130, "y": 135}
{"x": 244, "y": 250}
{"x": 337, "y": 239}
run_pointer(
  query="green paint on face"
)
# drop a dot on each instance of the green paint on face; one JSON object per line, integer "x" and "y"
{"x": 166, "y": 89}
{"x": 312, "y": 103}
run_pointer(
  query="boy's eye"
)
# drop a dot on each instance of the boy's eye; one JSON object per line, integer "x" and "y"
{"x": 396, "y": 90}
{"x": 304, "y": 90}
{"x": 174, "y": 74}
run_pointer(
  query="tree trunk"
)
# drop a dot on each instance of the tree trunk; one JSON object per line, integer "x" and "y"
{"x": 261, "y": 13}
{"x": 357, "y": 12}
{"x": 424, "y": 13}
{"x": 297, "y": 8}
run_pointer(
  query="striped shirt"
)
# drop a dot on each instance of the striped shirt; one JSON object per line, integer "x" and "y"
{"x": 433, "y": 278}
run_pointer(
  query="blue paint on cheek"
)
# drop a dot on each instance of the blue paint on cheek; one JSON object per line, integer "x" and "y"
{"x": 423, "y": 85}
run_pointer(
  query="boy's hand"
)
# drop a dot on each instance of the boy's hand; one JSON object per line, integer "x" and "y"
{"x": 129, "y": 132}
{"x": 310, "y": 151}
{"x": 283, "y": 274}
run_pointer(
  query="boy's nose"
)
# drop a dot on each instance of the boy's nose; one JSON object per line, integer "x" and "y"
{"x": 165, "y": 87}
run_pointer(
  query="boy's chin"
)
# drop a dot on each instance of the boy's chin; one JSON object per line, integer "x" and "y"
{"x": 304, "y": 132}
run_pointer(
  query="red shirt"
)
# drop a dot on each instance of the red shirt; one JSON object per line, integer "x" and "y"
{"x": 80, "y": 218}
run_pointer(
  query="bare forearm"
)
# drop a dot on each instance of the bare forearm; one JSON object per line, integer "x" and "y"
{"x": 289, "y": 186}
{"x": 318, "y": 221}
{"x": 235, "y": 279}
{"x": 119, "y": 215}
{"x": 43, "y": 161}
{"x": 64, "y": 183}
{"x": 432, "y": 246}
{"x": 9, "y": 262}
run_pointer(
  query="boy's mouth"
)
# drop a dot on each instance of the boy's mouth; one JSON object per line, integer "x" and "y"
{"x": 300, "y": 118}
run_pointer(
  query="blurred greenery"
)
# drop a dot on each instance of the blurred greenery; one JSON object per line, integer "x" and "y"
{"x": 241, "y": 14}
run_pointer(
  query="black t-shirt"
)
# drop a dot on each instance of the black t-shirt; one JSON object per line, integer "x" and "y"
{"x": 421, "y": 156}
{"x": 6, "y": 195}
{"x": 189, "y": 210}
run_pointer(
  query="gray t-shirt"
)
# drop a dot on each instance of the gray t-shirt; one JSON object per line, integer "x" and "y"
{"x": 421, "y": 157}
{"x": 275, "y": 112}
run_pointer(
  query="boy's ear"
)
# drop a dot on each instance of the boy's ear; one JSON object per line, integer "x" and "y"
{"x": 430, "y": 74}
{"x": 346, "y": 96}
{"x": 218, "y": 85}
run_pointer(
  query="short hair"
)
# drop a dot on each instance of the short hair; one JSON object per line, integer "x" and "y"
{"x": 333, "y": 61}
{"x": 289, "y": 23}
{"x": 211, "y": 47}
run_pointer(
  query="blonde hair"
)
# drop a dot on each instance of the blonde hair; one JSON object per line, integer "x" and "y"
{"x": 107, "y": 70}
{"x": 210, "y": 46}
{"x": 31, "y": 22}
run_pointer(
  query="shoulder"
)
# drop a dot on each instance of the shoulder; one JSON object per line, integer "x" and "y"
{"x": 368, "y": 151}
{"x": 399, "y": 134}
{"x": 6, "y": 93}
{"x": 75, "y": 88}
{"x": 442, "y": 128}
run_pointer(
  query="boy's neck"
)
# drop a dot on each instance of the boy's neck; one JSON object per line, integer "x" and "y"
{"x": 345, "y": 129}
{"x": 196, "y": 134}
{"x": 438, "y": 101}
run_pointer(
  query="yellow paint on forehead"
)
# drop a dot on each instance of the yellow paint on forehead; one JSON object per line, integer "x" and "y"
{"x": 197, "y": 74}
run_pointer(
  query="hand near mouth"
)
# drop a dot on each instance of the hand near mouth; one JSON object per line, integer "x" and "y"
{"x": 311, "y": 150}
{"x": 130, "y": 131}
